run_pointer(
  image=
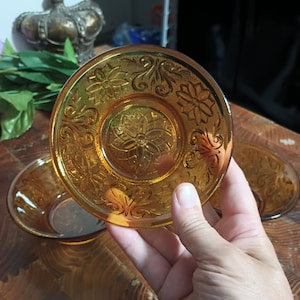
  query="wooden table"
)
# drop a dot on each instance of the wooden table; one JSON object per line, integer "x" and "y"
{"x": 34, "y": 268}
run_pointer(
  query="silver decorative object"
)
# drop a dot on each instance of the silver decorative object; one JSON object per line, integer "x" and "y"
{"x": 48, "y": 30}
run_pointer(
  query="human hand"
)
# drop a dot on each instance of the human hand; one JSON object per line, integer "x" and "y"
{"x": 209, "y": 257}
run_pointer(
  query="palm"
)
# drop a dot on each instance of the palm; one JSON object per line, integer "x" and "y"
{"x": 164, "y": 261}
{"x": 214, "y": 257}
{"x": 161, "y": 257}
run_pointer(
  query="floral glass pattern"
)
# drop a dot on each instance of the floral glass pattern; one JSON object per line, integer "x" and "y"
{"x": 274, "y": 182}
{"x": 39, "y": 204}
{"x": 133, "y": 123}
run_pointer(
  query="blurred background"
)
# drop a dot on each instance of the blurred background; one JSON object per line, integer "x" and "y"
{"x": 252, "y": 50}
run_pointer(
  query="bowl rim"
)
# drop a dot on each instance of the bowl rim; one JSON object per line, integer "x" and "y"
{"x": 45, "y": 159}
{"x": 115, "y": 51}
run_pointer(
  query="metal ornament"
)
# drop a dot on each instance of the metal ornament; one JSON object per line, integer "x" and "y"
{"x": 48, "y": 30}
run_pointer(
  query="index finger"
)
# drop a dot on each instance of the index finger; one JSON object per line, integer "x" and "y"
{"x": 236, "y": 196}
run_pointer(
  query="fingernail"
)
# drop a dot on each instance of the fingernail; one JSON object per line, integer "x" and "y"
{"x": 187, "y": 195}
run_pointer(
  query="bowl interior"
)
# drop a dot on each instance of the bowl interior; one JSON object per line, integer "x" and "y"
{"x": 273, "y": 180}
{"x": 39, "y": 204}
{"x": 133, "y": 123}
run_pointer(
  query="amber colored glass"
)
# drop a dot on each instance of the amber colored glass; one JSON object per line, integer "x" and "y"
{"x": 273, "y": 180}
{"x": 133, "y": 123}
{"x": 39, "y": 204}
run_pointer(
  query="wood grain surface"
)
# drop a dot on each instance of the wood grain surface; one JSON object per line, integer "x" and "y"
{"x": 284, "y": 231}
{"x": 35, "y": 268}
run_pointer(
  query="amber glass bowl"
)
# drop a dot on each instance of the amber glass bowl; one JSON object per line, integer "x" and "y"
{"x": 39, "y": 204}
{"x": 133, "y": 123}
{"x": 273, "y": 180}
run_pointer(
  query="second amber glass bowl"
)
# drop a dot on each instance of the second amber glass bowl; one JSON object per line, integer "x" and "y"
{"x": 273, "y": 180}
{"x": 40, "y": 205}
{"x": 133, "y": 123}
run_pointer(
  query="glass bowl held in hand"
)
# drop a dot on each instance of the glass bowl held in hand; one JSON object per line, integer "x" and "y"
{"x": 133, "y": 123}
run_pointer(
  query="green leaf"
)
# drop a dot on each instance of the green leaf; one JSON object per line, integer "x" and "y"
{"x": 69, "y": 51}
{"x": 14, "y": 123}
{"x": 5, "y": 84}
{"x": 40, "y": 77}
{"x": 30, "y": 80}
{"x": 55, "y": 87}
{"x": 45, "y": 101}
{"x": 47, "y": 62}
{"x": 16, "y": 117}
{"x": 8, "y": 65}
{"x": 18, "y": 99}
{"x": 8, "y": 48}
{"x": 45, "y": 106}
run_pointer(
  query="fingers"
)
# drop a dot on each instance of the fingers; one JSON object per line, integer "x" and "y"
{"x": 146, "y": 258}
{"x": 193, "y": 229}
{"x": 210, "y": 214}
{"x": 164, "y": 241}
{"x": 235, "y": 194}
{"x": 239, "y": 209}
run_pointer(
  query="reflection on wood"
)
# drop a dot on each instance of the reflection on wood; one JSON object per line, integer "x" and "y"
{"x": 87, "y": 271}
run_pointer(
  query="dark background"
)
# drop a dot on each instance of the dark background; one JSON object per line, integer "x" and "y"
{"x": 251, "y": 48}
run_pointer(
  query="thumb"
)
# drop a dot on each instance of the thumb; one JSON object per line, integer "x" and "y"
{"x": 193, "y": 229}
